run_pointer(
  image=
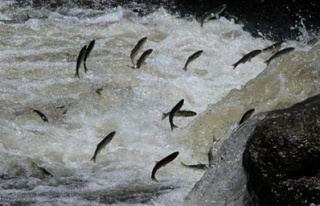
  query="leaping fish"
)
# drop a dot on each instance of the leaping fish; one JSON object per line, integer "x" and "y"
{"x": 174, "y": 110}
{"x": 136, "y": 48}
{"x": 162, "y": 163}
{"x": 80, "y": 59}
{"x": 273, "y": 48}
{"x": 197, "y": 166}
{"x": 247, "y": 57}
{"x": 191, "y": 58}
{"x": 88, "y": 51}
{"x": 246, "y": 115}
{"x": 180, "y": 113}
{"x": 279, "y": 53}
{"x": 210, "y": 155}
{"x": 213, "y": 13}
{"x": 102, "y": 144}
{"x": 43, "y": 117}
{"x": 142, "y": 58}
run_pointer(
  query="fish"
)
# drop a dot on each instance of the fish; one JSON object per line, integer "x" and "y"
{"x": 247, "y": 57}
{"x": 273, "y": 48}
{"x": 80, "y": 60}
{"x": 176, "y": 108}
{"x": 102, "y": 144}
{"x": 98, "y": 91}
{"x": 136, "y": 48}
{"x": 142, "y": 58}
{"x": 163, "y": 163}
{"x": 191, "y": 58}
{"x": 279, "y": 53}
{"x": 210, "y": 156}
{"x": 41, "y": 169}
{"x": 197, "y": 166}
{"x": 246, "y": 115}
{"x": 43, "y": 117}
{"x": 44, "y": 171}
{"x": 213, "y": 13}
{"x": 88, "y": 51}
{"x": 180, "y": 113}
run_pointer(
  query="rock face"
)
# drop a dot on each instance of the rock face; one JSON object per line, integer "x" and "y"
{"x": 282, "y": 157}
{"x": 280, "y": 151}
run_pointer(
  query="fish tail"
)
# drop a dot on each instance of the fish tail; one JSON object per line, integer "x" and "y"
{"x": 77, "y": 75}
{"x": 93, "y": 159}
{"x": 267, "y": 62}
{"x": 184, "y": 68}
{"x": 174, "y": 126}
{"x": 154, "y": 179}
{"x": 234, "y": 66}
{"x": 183, "y": 164}
{"x": 85, "y": 67}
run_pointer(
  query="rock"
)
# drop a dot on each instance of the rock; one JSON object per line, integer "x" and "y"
{"x": 280, "y": 151}
{"x": 282, "y": 156}
{"x": 224, "y": 183}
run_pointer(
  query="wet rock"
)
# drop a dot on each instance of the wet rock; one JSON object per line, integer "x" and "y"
{"x": 280, "y": 151}
{"x": 282, "y": 157}
{"x": 224, "y": 183}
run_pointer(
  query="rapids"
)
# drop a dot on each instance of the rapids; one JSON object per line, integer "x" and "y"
{"x": 38, "y": 62}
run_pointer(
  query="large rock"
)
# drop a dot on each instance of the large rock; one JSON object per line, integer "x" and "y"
{"x": 282, "y": 157}
{"x": 280, "y": 151}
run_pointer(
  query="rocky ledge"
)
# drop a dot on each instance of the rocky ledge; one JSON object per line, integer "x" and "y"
{"x": 272, "y": 159}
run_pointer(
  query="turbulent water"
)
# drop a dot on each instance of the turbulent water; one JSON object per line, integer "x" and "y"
{"x": 38, "y": 64}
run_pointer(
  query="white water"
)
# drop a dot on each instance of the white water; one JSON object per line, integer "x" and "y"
{"x": 38, "y": 60}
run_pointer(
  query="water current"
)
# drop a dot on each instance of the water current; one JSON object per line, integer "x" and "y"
{"x": 38, "y": 64}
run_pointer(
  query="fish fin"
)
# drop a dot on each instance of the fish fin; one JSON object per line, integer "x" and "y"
{"x": 133, "y": 67}
{"x": 184, "y": 68}
{"x": 164, "y": 115}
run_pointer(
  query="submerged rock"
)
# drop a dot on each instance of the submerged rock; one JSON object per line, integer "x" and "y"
{"x": 280, "y": 151}
{"x": 282, "y": 156}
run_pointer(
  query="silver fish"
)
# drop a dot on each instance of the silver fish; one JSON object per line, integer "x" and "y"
{"x": 162, "y": 163}
{"x": 191, "y": 58}
{"x": 273, "y": 48}
{"x": 197, "y": 166}
{"x": 98, "y": 91}
{"x": 142, "y": 58}
{"x": 210, "y": 156}
{"x": 102, "y": 144}
{"x": 89, "y": 49}
{"x": 136, "y": 49}
{"x": 180, "y": 113}
{"x": 246, "y": 115}
{"x": 247, "y": 57}
{"x": 213, "y": 13}
{"x": 42, "y": 170}
{"x": 43, "y": 117}
{"x": 176, "y": 108}
{"x": 80, "y": 59}
{"x": 279, "y": 53}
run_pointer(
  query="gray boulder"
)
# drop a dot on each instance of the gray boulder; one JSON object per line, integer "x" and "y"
{"x": 271, "y": 159}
